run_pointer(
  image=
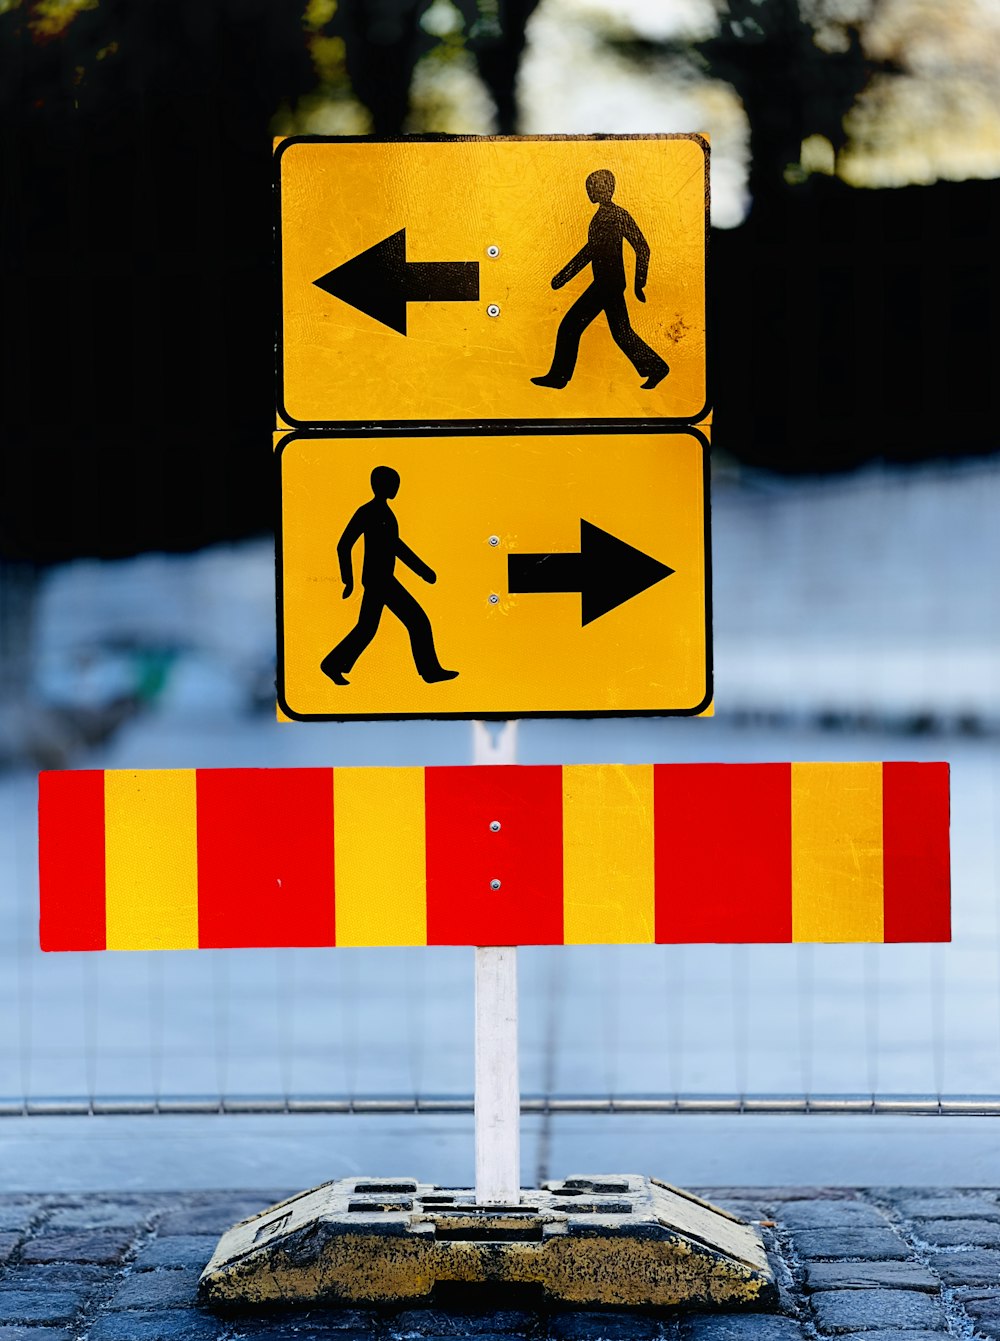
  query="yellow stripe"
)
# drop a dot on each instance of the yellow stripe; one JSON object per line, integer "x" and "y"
{"x": 379, "y": 854}
{"x": 608, "y": 875}
{"x": 837, "y": 852}
{"x": 151, "y": 855}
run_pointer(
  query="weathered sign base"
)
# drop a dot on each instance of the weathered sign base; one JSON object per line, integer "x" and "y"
{"x": 601, "y": 1240}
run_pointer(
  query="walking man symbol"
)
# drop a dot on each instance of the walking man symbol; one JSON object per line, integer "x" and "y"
{"x": 382, "y": 590}
{"x": 610, "y": 227}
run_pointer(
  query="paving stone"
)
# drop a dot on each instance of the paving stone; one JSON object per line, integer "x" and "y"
{"x": 948, "y": 1208}
{"x": 101, "y": 1247}
{"x": 176, "y": 1250}
{"x": 100, "y": 1215}
{"x": 211, "y": 1218}
{"x": 980, "y": 1266}
{"x": 303, "y": 1331}
{"x": 172, "y": 1325}
{"x": 426, "y": 1322}
{"x": 597, "y": 1326}
{"x": 870, "y": 1276}
{"x": 832, "y": 1215}
{"x": 310, "y": 1325}
{"x": 166, "y": 1288}
{"x": 867, "y": 1310}
{"x": 58, "y": 1276}
{"x": 17, "y": 1217}
{"x": 901, "y": 1335}
{"x": 987, "y": 1326}
{"x": 34, "y": 1334}
{"x": 866, "y": 1245}
{"x": 8, "y": 1242}
{"x": 979, "y": 1300}
{"x": 959, "y": 1233}
{"x": 40, "y": 1305}
{"x": 740, "y": 1327}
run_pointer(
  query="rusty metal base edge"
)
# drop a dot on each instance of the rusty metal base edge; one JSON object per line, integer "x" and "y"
{"x": 597, "y": 1240}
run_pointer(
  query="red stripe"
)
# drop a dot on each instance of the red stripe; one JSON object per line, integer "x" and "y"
{"x": 723, "y": 853}
{"x": 917, "y": 866}
{"x": 464, "y": 855}
{"x": 71, "y": 860}
{"x": 265, "y": 857}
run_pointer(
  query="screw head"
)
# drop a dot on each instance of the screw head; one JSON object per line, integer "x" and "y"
{"x": 494, "y": 884}
{"x": 494, "y": 598}
{"x": 493, "y": 310}
{"x": 494, "y": 540}
{"x": 494, "y": 826}
{"x": 493, "y": 252}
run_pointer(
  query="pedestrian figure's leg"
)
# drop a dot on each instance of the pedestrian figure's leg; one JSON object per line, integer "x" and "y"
{"x": 411, "y": 615}
{"x": 644, "y": 360}
{"x": 347, "y": 651}
{"x": 571, "y": 328}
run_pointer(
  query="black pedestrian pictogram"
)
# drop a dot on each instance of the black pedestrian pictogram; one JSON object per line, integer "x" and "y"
{"x": 376, "y": 523}
{"x": 610, "y": 228}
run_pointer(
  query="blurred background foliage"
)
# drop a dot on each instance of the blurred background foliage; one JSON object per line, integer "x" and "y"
{"x": 856, "y": 146}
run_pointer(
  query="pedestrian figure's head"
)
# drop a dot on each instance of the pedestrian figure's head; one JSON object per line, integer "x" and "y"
{"x": 601, "y": 186}
{"x": 385, "y": 482}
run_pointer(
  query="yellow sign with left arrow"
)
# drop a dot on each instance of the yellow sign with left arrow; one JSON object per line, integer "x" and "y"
{"x": 500, "y": 575}
{"x": 543, "y": 281}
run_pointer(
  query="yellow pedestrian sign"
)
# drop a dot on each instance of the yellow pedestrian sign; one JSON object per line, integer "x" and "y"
{"x": 492, "y": 281}
{"x": 495, "y": 575}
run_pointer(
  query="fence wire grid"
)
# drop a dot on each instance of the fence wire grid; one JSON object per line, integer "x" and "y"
{"x": 854, "y": 620}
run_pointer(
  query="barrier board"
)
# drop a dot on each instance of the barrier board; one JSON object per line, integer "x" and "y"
{"x": 496, "y": 855}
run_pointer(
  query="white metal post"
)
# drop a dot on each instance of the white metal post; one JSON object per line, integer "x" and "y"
{"x": 498, "y": 1095}
{"x": 498, "y": 1091}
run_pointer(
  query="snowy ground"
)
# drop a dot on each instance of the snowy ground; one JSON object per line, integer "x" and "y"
{"x": 872, "y": 598}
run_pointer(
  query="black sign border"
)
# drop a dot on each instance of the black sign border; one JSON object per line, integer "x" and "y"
{"x": 354, "y": 426}
{"x": 490, "y": 431}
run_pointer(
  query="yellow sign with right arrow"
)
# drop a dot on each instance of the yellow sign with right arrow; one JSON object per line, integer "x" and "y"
{"x": 500, "y": 575}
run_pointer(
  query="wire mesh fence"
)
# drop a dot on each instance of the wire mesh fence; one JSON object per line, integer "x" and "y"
{"x": 867, "y": 633}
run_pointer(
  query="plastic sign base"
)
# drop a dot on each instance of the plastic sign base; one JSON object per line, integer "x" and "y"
{"x": 618, "y": 1240}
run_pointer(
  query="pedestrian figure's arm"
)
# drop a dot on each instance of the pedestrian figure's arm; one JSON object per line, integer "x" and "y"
{"x": 572, "y": 268}
{"x": 633, "y": 234}
{"x": 415, "y": 562}
{"x": 351, "y": 536}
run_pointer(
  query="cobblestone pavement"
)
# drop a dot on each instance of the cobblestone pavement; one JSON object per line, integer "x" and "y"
{"x": 894, "y": 1264}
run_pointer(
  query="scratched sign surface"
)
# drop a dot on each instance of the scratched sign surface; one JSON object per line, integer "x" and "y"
{"x": 684, "y": 853}
{"x": 492, "y": 280}
{"x": 502, "y": 575}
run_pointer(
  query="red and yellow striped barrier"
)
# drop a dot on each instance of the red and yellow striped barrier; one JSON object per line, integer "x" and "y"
{"x": 206, "y": 858}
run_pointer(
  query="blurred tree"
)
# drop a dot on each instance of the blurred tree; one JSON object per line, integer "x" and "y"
{"x": 135, "y": 244}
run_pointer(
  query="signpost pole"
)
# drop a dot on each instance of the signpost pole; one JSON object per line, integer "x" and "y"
{"x": 497, "y": 1084}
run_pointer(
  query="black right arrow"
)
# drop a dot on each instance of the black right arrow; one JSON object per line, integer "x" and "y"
{"x": 607, "y": 572}
{"x": 381, "y": 281}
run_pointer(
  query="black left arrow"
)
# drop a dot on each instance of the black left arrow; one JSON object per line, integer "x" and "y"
{"x": 381, "y": 281}
{"x": 606, "y": 572}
